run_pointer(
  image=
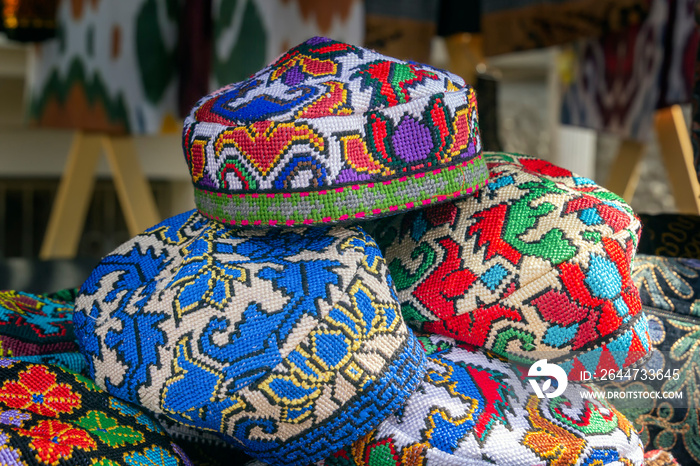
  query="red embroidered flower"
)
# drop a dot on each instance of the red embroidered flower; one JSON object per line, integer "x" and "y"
{"x": 38, "y": 392}
{"x": 54, "y": 440}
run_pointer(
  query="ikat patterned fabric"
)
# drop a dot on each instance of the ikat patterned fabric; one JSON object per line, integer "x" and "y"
{"x": 475, "y": 409}
{"x": 617, "y": 81}
{"x": 119, "y": 66}
{"x": 50, "y": 416}
{"x": 39, "y": 328}
{"x": 288, "y": 342}
{"x": 332, "y": 132}
{"x": 536, "y": 265}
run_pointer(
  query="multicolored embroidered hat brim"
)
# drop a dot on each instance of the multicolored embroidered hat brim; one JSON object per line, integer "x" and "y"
{"x": 537, "y": 265}
{"x": 331, "y": 132}
{"x": 473, "y": 409}
{"x": 50, "y": 416}
{"x": 288, "y": 342}
{"x": 38, "y": 328}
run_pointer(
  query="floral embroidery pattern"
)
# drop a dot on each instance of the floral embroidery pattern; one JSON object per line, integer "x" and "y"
{"x": 155, "y": 456}
{"x": 57, "y": 417}
{"x": 38, "y": 392}
{"x": 13, "y": 417}
{"x": 109, "y": 430}
{"x": 8, "y": 455}
{"x": 54, "y": 440}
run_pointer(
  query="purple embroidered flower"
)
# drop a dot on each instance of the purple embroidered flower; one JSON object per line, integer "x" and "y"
{"x": 6, "y": 362}
{"x": 13, "y": 418}
{"x": 8, "y": 456}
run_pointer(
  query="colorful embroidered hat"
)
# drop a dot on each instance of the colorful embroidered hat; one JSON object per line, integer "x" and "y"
{"x": 38, "y": 328}
{"x": 537, "y": 265}
{"x": 472, "y": 409}
{"x": 288, "y": 342}
{"x": 333, "y": 132}
{"x": 50, "y": 416}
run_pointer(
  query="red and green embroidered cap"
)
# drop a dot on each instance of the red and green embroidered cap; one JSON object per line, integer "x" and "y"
{"x": 331, "y": 132}
{"x": 51, "y": 416}
{"x": 475, "y": 409}
{"x": 535, "y": 266}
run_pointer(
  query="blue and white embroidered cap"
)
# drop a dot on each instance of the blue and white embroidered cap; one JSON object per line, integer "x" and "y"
{"x": 288, "y": 343}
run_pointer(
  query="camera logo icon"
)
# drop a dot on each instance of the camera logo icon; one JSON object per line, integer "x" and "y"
{"x": 543, "y": 369}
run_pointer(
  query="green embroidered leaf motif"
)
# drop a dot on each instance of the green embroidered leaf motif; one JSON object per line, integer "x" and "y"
{"x": 690, "y": 340}
{"x": 523, "y": 216}
{"x": 402, "y": 277}
{"x": 412, "y": 315}
{"x": 504, "y": 337}
{"x": 109, "y": 430}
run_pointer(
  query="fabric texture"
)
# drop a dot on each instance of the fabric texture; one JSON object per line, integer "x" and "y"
{"x": 116, "y": 67}
{"x": 670, "y": 235}
{"x": 39, "y": 328}
{"x": 670, "y": 293}
{"x": 536, "y": 265}
{"x": 288, "y": 342}
{"x": 332, "y": 132}
{"x": 618, "y": 80}
{"x": 515, "y": 25}
{"x": 475, "y": 409}
{"x": 50, "y": 416}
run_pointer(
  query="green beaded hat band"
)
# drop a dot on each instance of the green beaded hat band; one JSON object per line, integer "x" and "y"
{"x": 332, "y": 132}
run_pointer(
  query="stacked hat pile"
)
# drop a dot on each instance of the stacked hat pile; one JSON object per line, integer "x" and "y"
{"x": 269, "y": 318}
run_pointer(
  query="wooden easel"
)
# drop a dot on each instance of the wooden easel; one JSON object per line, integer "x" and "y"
{"x": 677, "y": 153}
{"x": 75, "y": 190}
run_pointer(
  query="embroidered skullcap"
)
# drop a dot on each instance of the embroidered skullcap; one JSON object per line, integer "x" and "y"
{"x": 536, "y": 265}
{"x": 51, "y": 416}
{"x": 288, "y": 342}
{"x": 473, "y": 409}
{"x": 331, "y": 132}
